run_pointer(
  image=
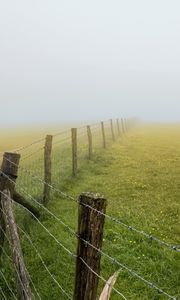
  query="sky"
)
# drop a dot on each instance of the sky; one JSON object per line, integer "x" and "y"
{"x": 66, "y": 60}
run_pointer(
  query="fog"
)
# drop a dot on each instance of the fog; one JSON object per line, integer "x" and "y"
{"x": 89, "y": 60}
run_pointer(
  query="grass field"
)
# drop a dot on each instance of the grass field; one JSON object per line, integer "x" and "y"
{"x": 140, "y": 177}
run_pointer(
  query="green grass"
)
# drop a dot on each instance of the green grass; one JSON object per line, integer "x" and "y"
{"x": 140, "y": 177}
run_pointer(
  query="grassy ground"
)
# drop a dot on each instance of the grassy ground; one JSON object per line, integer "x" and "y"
{"x": 140, "y": 177}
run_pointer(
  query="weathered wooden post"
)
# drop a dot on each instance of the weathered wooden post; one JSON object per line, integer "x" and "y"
{"x": 118, "y": 127}
{"x": 103, "y": 135}
{"x": 47, "y": 168}
{"x": 90, "y": 229}
{"x": 122, "y": 125}
{"x": 112, "y": 130}
{"x": 125, "y": 124}
{"x": 74, "y": 151}
{"x": 22, "y": 278}
{"x": 8, "y": 175}
{"x": 89, "y": 134}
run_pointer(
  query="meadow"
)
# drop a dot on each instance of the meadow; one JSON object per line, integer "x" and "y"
{"x": 138, "y": 174}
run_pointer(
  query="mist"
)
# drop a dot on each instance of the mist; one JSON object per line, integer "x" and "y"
{"x": 89, "y": 60}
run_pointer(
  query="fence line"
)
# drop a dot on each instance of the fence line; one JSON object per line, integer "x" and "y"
{"x": 20, "y": 149}
{"x": 113, "y": 260}
{"x": 33, "y": 153}
{"x": 131, "y": 272}
{"x": 2, "y": 293}
{"x": 61, "y": 245}
{"x": 36, "y": 250}
{"x": 43, "y": 263}
{"x": 8, "y": 285}
{"x": 50, "y": 234}
{"x": 29, "y": 145}
{"x": 104, "y": 280}
{"x": 9, "y": 258}
{"x": 117, "y": 221}
{"x": 73, "y": 232}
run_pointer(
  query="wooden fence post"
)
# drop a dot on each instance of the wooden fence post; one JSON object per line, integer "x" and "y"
{"x": 122, "y": 125}
{"x": 8, "y": 175}
{"x": 89, "y": 134}
{"x": 118, "y": 127}
{"x": 90, "y": 229}
{"x": 112, "y": 130}
{"x": 103, "y": 135}
{"x": 47, "y": 168}
{"x": 74, "y": 151}
{"x": 23, "y": 286}
{"x": 125, "y": 124}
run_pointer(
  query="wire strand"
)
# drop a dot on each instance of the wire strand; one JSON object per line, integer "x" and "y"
{"x": 2, "y": 293}
{"x": 151, "y": 237}
{"x": 104, "y": 280}
{"x": 8, "y": 285}
{"x": 43, "y": 262}
{"x": 15, "y": 266}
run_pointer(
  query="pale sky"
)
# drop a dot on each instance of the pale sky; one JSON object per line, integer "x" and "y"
{"x": 68, "y": 60}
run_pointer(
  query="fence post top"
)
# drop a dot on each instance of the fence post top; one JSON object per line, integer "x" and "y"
{"x": 12, "y": 154}
{"x": 49, "y": 136}
{"x": 91, "y": 196}
{"x": 10, "y": 162}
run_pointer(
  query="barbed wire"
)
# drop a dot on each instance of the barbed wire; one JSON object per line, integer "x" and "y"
{"x": 117, "y": 221}
{"x": 8, "y": 285}
{"x": 29, "y": 145}
{"x": 9, "y": 258}
{"x": 2, "y": 293}
{"x": 127, "y": 226}
{"x": 96, "y": 130}
{"x": 31, "y": 154}
{"x": 82, "y": 134}
{"x": 79, "y": 134}
{"x": 61, "y": 132}
{"x": 95, "y": 124}
{"x": 47, "y": 230}
{"x": 43, "y": 139}
{"x": 113, "y": 260}
{"x": 22, "y": 148}
{"x": 131, "y": 228}
{"x": 75, "y": 256}
{"x": 57, "y": 241}
{"x": 130, "y": 271}
{"x": 44, "y": 227}
{"x": 96, "y": 127}
{"x": 43, "y": 262}
{"x": 102, "y": 278}
{"x": 106, "y": 216}
{"x": 62, "y": 141}
{"x": 90, "y": 124}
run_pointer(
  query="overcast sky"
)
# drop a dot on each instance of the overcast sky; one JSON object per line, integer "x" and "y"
{"x": 67, "y": 60}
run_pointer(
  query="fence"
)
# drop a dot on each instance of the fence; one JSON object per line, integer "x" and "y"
{"x": 79, "y": 275}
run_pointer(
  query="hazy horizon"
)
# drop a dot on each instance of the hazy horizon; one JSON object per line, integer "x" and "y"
{"x": 72, "y": 61}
